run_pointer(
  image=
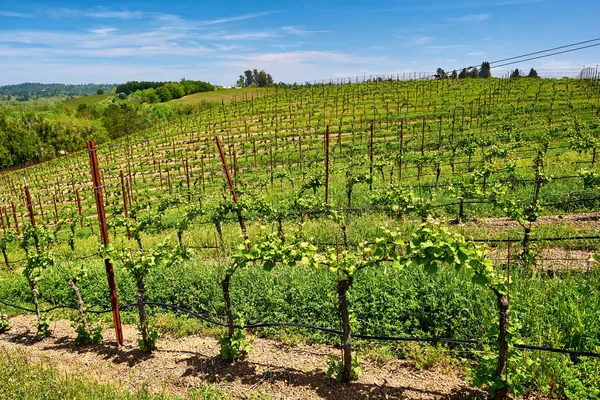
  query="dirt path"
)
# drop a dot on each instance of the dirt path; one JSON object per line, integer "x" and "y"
{"x": 271, "y": 368}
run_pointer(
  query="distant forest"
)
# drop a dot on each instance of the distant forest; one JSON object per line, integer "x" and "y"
{"x": 27, "y": 91}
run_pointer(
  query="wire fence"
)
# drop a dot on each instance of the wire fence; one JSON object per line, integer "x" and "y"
{"x": 311, "y": 327}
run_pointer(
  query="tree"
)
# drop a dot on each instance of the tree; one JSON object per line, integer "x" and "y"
{"x": 100, "y": 91}
{"x": 440, "y": 74}
{"x": 261, "y": 78}
{"x": 485, "y": 71}
{"x": 474, "y": 73}
{"x": 516, "y": 73}
{"x": 454, "y": 74}
{"x": 241, "y": 81}
{"x": 532, "y": 74}
{"x": 463, "y": 74}
{"x": 164, "y": 94}
{"x": 249, "y": 77}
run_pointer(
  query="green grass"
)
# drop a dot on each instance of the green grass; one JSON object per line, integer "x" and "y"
{"x": 89, "y": 100}
{"x": 226, "y": 95}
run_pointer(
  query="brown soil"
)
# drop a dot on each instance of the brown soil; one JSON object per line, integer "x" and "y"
{"x": 582, "y": 220}
{"x": 271, "y": 368}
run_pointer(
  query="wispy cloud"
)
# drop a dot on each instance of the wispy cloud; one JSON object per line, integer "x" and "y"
{"x": 103, "y": 31}
{"x": 473, "y": 18}
{"x": 238, "y": 18}
{"x": 477, "y": 53}
{"x": 460, "y": 5}
{"x": 296, "y": 30}
{"x": 246, "y": 36}
{"x": 12, "y": 14}
{"x": 99, "y": 13}
{"x": 290, "y": 58}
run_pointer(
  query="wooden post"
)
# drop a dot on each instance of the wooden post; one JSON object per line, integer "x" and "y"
{"x": 232, "y": 189}
{"x": 124, "y": 195}
{"x": 14, "y": 210}
{"x": 114, "y": 301}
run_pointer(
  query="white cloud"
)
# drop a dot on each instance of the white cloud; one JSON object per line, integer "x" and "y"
{"x": 476, "y": 53}
{"x": 14, "y": 14}
{"x": 296, "y": 30}
{"x": 237, "y": 18}
{"x": 474, "y": 18}
{"x": 103, "y": 31}
{"x": 246, "y": 36}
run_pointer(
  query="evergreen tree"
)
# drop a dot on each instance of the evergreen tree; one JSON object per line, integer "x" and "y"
{"x": 485, "y": 71}
{"x": 474, "y": 73}
{"x": 463, "y": 74}
{"x": 516, "y": 73}
{"x": 533, "y": 73}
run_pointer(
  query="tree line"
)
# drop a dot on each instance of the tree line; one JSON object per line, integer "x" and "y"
{"x": 484, "y": 71}
{"x": 32, "y": 137}
{"x": 26, "y": 91}
{"x": 256, "y": 78}
{"x": 160, "y": 92}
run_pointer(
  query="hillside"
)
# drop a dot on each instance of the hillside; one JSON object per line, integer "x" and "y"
{"x": 89, "y": 100}
{"x": 26, "y": 91}
{"x": 226, "y": 95}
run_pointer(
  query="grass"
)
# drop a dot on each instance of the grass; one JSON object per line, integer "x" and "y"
{"x": 89, "y": 100}
{"x": 23, "y": 378}
{"x": 226, "y": 95}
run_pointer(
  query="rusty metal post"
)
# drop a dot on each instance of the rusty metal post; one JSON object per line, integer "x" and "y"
{"x": 327, "y": 164}
{"x": 230, "y": 183}
{"x": 29, "y": 205}
{"x": 125, "y": 210}
{"x": 114, "y": 301}
{"x": 31, "y": 214}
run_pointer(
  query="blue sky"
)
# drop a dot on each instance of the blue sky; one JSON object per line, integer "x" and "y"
{"x": 95, "y": 41}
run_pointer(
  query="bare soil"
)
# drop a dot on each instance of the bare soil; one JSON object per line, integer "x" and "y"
{"x": 271, "y": 368}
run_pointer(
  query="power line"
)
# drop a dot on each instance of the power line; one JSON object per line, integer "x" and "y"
{"x": 545, "y": 51}
{"x": 546, "y": 55}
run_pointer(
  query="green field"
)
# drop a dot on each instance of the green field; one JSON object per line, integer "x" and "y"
{"x": 383, "y": 227}
{"x": 89, "y": 100}
{"x": 226, "y": 95}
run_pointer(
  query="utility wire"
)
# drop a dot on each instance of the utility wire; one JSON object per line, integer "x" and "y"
{"x": 544, "y": 51}
{"x": 546, "y": 55}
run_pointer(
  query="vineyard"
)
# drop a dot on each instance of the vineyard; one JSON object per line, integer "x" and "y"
{"x": 459, "y": 214}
